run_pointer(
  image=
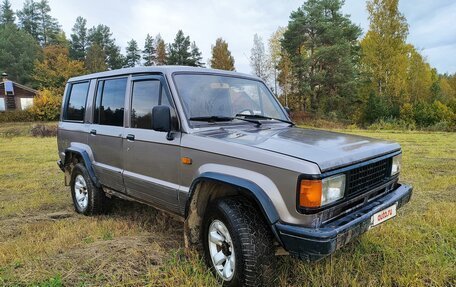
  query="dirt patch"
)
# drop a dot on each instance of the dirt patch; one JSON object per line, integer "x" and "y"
{"x": 11, "y": 227}
{"x": 59, "y": 215}
{"x": 112, "y": 260}
{"x": 123, "y": 259}
{"x": 106, "y": 259}
{"x": 40, "y": 130}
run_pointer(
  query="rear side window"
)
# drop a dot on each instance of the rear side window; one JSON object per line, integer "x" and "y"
{"x": 110, "y": 102}
{"x": 75, "y": 108}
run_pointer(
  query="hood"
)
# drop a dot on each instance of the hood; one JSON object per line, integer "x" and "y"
{"x": 329, "y": 150}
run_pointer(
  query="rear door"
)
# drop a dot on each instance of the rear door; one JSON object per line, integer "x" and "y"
{"x": 151, "y": 160}
{"x": 106, "y": 131}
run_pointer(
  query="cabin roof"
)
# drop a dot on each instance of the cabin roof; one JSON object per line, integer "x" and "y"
{"x": 9, "y": 86}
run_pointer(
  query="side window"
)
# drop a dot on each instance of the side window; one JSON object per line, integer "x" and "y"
{"x": 76, "y": 103}
{"x": 110, "y": 102}
{"x": 146, "y": 95}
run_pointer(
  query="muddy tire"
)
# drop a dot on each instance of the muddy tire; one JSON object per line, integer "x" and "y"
{"x": 238, "y": 243}
{"x": 87, "y": 198}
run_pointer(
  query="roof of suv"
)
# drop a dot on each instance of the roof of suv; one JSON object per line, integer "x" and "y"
{"x": 157, "y": 69}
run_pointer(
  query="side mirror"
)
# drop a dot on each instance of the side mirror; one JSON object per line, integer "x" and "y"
{"x": 161, "y": 120}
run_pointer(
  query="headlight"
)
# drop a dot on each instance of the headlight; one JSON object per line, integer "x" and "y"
{"x": 317, "y": 193}
{"x": 333, "y": 189}
{"x": 396, "y": 166}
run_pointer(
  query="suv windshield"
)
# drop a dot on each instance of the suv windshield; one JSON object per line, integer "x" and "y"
{"x": 224, "y": 97}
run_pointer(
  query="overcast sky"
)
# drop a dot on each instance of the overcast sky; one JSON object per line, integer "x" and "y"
{"x": 432, "y": 22}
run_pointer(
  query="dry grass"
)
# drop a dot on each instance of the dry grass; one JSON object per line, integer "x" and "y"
{"x": 44, "y": 243}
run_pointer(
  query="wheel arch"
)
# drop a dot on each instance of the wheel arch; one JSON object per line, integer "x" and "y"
{"x": 244, "y": 186}
{"x": 84, "y": 157}
{"x": 197, "y": 201}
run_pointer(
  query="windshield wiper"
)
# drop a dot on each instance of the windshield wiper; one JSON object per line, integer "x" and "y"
{"x": 213, "y": 119}
{"x": 264, "y": 118}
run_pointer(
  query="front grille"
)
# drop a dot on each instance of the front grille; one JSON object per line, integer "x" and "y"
{"x": 368, "y": 176}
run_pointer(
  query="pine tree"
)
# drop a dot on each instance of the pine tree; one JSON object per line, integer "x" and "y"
{"x": 184, "y": 52}
{"x": 115, "y": 58}
{"x": 18, "y": 52}
{"x": 149, "y": 52}
{"x": 48, "y": 27}
{"x": 6, "y": 13}
{"x": 162, "y": 57}
{"x": 60, "y": 39}
{"x": 323, "y": 46}
{"x": 179, "y": 51}
{"x": 102, "y": 36}
{"x": 95, "y": 59}
{"x": 195, "y": 58}
{"x": 221, "y": 56}
{"x": 35, "y": 19}
{"x": 133, "y": 57}
{"x": 79, "y": 41}
{"x": 259, "y": 59}
{"x": 29, "y": 19}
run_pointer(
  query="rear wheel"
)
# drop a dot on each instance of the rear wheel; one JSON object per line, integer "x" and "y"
{"x": 238, "y": 243}
{"x": 87, "y": 198}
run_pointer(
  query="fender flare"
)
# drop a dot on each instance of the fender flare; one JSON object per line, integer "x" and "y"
{"x": 86, "y": 161}
{"x": 257, "y": 193}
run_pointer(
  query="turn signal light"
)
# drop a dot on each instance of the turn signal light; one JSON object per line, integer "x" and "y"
{"x": 310, "y": 193}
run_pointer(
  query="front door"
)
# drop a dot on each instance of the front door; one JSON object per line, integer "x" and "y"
{"x": 151, "y": 161}
{"x": 106, "y": 132}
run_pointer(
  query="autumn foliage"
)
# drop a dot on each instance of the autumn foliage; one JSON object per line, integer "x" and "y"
{"x": 56, "y": 68}
{"x": 46, "y": 106}
{"x": 221, "y": 56}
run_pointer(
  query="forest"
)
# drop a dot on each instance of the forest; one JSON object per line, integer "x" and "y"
{"x": 321, "y": 65}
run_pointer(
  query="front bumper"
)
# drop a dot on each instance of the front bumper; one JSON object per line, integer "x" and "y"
{"x": 312, "y": 244}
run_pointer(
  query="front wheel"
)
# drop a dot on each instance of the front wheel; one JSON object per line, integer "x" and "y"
{"x": 238, "y": 243}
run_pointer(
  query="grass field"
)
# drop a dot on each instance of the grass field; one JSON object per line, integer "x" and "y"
{"x": 44, "y": 243}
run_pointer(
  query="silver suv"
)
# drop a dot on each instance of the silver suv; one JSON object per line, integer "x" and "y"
{"x": 217, "y": 149}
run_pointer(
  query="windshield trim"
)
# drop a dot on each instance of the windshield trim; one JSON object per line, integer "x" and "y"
{"x": 190, "y": 123}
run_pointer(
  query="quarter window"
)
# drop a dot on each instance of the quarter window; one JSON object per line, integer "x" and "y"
{"x": 110, "y": 102}
{"x": 75, "y": 108}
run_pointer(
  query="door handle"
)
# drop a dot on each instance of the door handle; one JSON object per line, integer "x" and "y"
{"x": 93, "y": 132}
{"x": 130, "y": 137}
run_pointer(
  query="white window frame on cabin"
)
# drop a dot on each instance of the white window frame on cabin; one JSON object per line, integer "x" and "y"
{"x": 26, "y": 103}
{"x": 2, "y": 104}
